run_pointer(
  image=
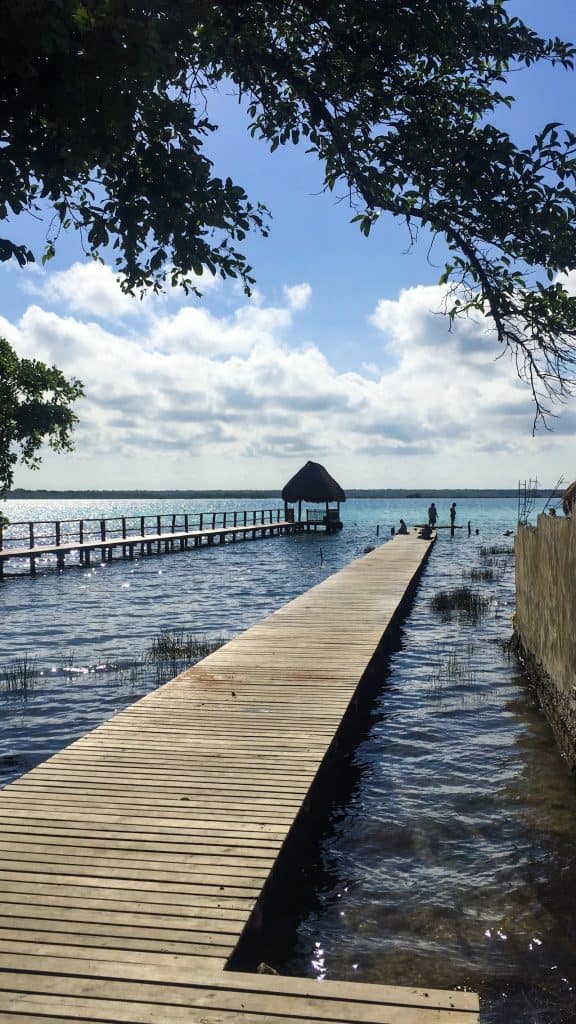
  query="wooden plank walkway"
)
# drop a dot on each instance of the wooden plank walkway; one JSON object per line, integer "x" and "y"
{"x": 131, "y": 862}
{"x": 146, "y": 543}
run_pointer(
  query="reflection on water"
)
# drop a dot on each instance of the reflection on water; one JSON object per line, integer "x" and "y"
{"x": 454, "y": 862}
{"x": 66, "y": 623}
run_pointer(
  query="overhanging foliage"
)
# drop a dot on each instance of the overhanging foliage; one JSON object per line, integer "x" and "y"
{"x": 35, "y": 409}
{"x": 104, "y": 116}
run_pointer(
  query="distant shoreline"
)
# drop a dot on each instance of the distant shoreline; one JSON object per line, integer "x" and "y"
{"x": 423, "y": 493}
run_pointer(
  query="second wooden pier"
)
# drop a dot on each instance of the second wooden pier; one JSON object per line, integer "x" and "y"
{"x": 133, "y": 861}
{"x": 51, "y": 542}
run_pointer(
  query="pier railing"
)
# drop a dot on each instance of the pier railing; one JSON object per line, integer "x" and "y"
{"x": 58, "y": 532}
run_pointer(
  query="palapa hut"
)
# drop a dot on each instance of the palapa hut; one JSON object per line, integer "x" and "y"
{"x": 314, "y": 484}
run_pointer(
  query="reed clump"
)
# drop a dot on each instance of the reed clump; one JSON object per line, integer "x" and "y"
{"x": 485, "y": 575}
{"x": 468, "y": 604}
{"x": 496, "y": 549}
{"x": 168, "y": 655}
{"x": 172, "y": 652}
{"x": 180, "y": 645}
{"x": 453, "y": 668}
{"x": 19, "y": 676}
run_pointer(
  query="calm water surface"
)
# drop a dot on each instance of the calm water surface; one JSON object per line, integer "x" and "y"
{"x": 454, "y": 861}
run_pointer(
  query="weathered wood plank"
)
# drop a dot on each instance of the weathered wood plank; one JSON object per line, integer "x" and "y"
{"x": 130, "y": 542}
{"x": 139, "y": 1004}
{"x": 170, "y": 972}
{"x": 131, "y": 862}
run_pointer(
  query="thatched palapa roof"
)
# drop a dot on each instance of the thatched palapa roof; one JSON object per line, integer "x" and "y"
{"x": 313, "y": 483}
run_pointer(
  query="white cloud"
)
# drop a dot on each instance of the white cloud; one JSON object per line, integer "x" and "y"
{"x": 298, "y": 295}
{"x": 237, "y": 393}
{"x": 195, "y": 329}
{"x": 89, "y": 288}
{"x": 93, "y": 288}
{"x": 568, "y": 281}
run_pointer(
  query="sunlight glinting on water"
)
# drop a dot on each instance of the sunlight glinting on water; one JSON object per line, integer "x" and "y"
{"x": 453, "y": 862}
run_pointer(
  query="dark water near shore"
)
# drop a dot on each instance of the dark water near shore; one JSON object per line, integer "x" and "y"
{"x": 453, "y": 863}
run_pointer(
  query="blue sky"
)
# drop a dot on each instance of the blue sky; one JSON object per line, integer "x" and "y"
{"x": 340, "y": 357}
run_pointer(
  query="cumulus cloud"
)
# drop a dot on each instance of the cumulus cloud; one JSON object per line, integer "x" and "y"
{"x": 569, "y": 282}
{"x": 89, "y": 288}
{"x": 298, "y": 295}
{"x": 223, "y": 389}
{"x": 448, "y": 377}
{"x": 417, "y": 321}
{"x": 92, "y": 288}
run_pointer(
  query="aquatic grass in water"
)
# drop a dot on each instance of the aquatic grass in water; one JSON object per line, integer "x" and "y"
{"x": 172, "y": 653}
{"x": 170, "y": 646}
{"x": 500, "y": 566}
{"x": 454, "y": 678}
{"x": 496, "y": 549}
{"x": 468, "y": 604}
{"x": 452, "y": 864}
{"x": 453, "y": 667}
{"x": 464, "y": 822}
{"x": 19, "y": 677}
{"x": 480, "y": 575}
{"x": 168, "y": 655}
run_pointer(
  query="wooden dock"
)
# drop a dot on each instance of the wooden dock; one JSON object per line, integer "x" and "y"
{"x": 146, "y": 535}
{"x": 132, "y": 862}
{"x": 146, "y": 544}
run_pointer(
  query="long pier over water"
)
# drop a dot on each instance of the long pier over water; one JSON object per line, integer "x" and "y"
{"x": 132, "y": 862}
{"x": 54, "y": 541}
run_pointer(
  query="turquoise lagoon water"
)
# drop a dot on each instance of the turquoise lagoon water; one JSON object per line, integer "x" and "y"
{"x": 452, "y": 862}
{"x": 113, "y": 610}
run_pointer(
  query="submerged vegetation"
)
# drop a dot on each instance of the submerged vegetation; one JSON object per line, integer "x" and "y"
{"x": 496, "y": 549}
{"x": 169, "y": 646}
{"x": 452, "y": 667}
{"x": 168, "y": 655}
{"x": 468, "y": 604}
{"x": 19, "y": 676}
{"x": 172, "y": 653}
{"x": 485, "y": 575}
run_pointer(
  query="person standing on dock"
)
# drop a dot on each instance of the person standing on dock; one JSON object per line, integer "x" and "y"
{"x": 432, "y": 515}
{"x": 452, "y": 517}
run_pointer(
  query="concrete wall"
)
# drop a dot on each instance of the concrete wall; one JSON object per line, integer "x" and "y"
{"x": 545, "y": 621}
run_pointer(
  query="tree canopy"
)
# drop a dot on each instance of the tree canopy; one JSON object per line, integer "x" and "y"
{"x": 35, "y": 409}
{"x": 104, "y": 119}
